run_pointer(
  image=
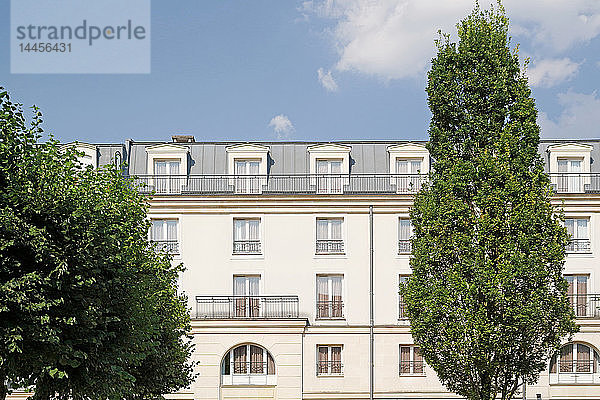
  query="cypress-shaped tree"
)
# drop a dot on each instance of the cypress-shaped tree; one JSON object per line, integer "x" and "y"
{"x": 487, "y": 300}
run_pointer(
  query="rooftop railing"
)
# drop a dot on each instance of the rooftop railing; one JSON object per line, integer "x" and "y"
{"x": 325, "y": 184}
{"x": 246, "y": 307}
{"x": 280, "y": 184}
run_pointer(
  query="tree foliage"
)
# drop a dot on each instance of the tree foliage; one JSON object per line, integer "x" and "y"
{"x": 88, "y": 309}
{"x": 487, "y": 300}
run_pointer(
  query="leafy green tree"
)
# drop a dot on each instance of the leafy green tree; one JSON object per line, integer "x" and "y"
{"x": 487, "y": 300}
{"x": 88, "y": 309}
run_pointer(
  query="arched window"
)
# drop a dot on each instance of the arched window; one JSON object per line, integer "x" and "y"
{"x": 575, "y": 363}
{"x": 248, "y": 364}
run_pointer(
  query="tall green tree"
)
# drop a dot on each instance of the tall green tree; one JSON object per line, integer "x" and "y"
{"x": 487, "y": 300}
{"x": 88, "y": 309}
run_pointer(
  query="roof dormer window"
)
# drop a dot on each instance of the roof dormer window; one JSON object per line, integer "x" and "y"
{"x": 569, "y": 166}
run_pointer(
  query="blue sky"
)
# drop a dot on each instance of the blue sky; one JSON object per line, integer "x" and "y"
{"x": 318, "y": 70}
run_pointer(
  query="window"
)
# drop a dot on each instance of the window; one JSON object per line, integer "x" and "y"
{"x": 167, "y": 178}
{"x": 248, "y": 364}
{"x": 246, "y": 291}
{"x": 577, "y": 228}
{"x": 411, "y": 361}
{"x": 247, "y": 179}
{"x": 329, "y": 296}
{"x": 404, "y": 234}
{"x": 578, "y": 295}
{"x": 575, "y": 363}
{"x": 246, "y": 236}
{"x": 401, "y": 305}
{"x": 329, "y": 236}
{"x": 408, "y": 179}
{"x": 329, "y": 179}
{"x": 570, "y": 177}
{"x": 329, "y": 360}
{"x": 163, "y": 235}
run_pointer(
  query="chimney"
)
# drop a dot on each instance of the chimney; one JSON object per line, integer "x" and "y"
{"x": 183, "y": 138}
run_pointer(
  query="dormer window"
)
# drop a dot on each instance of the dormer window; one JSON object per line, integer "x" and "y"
{"x": 569, "y": 166}
{"x": 167, "y": 168}
{"x": 329, "y": 167}
{"x": 409, "y": 166}
{"x": 247, "y": 165}
{"x": 87, "y": 154}
{"x": 329, "y": 179}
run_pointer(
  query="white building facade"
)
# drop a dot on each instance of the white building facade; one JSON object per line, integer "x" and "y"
{"x": 287, "y": 245}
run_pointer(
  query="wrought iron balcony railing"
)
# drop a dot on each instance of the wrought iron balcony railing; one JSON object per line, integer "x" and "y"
{"x": 575, "y": 372}
{"x": 246, "y": 247}
{"x": 281, "y": 184}
{"x": 330, "y": 368}
{"x": 246, "y": 307}
{"x": 330, "y": 246}
{"x": 579, "y": 246}
{"x": 404, "y": 246}
{"x": 586, "y": 305}
{"x": 411, "y": 368}
{"x": 330, "y": 309}
{"x": 564, "y": 182}
{"x": 167, "y": 246}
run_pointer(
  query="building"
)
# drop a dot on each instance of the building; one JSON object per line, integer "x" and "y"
{"x": 276, "y": 240}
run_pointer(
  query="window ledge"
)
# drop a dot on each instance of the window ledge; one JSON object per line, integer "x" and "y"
{"x": 330, "y": 375}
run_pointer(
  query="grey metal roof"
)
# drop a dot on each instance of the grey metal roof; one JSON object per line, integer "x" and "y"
{"x": 210, "y": 158}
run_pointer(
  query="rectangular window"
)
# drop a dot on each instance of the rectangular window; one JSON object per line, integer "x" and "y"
{"x": 401, "y": 305}
{"x": 404, "y": 234}
{"x": 408, "y": 179}
{"x": 247, "y": 179}
{"x": 329, "y": 236}
{"x": 329, "y": 360}
{"x": 329, "y": 296}
{"x": 167, "y": 177}
{"x": 163, "y": 235}
{"x": 578, "y": 294}
{"x": 577, "y": 228}
{"x": 329, "y": 176}
{"x": 570, "y": 179}
{"x": 411, "y": 361}
{"x": 246, "y": 236}
{"x": 246, "y": 293}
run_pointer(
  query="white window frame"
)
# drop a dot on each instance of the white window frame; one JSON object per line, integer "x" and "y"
{"x": 575, "y": 237}
{"x": 411, "y": 361}
{"x": 329, "y": 360}
{"x": 247, "y": 229}
{"x": 402, "y": 315}
{"x": 329, "y": 278}
{"x": 171, "y": 152}
{"x": 410, "y": 228}
{"x": 248, "y": 378}
{"x": 575, "y": 377}
{"x": 329, "y": 235}
{"x": 165, "y": 221}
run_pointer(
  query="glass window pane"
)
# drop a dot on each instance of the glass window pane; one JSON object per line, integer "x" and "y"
{"x": 582, "y": 231}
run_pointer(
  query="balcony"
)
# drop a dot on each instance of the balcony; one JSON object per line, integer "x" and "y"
{"x": 330, "y": 309}
{"x": 246, "y": 307}
{"x": 330, "y": 246}
{"x": 299, "y": 184}
{"x": 404, "y": 246}
{"x": 579, "y": 246}
{"x": 575, "y": 372}
{"x": 246, "y": 247}
{"x": 585, "y": 305}
{"x": 167, "y": 246}
{"x": 575, "y": 182}
{"x": 329, "y": 368}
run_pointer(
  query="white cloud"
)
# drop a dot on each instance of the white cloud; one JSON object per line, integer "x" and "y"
{"x": 282, "y": 126}
{"x": 550, "y": 72}
{"x": 327, "y": 80}
{"x": 393, "y": 39}
{"x": 580, "y": 117}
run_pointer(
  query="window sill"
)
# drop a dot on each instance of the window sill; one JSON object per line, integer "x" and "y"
{"x": 423, "y": 375}
{"x": 330, "y": 375}
{"x": 330, "y": 319}
{"x": 330, "y": 255}
{"x": 239, "y": 256}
